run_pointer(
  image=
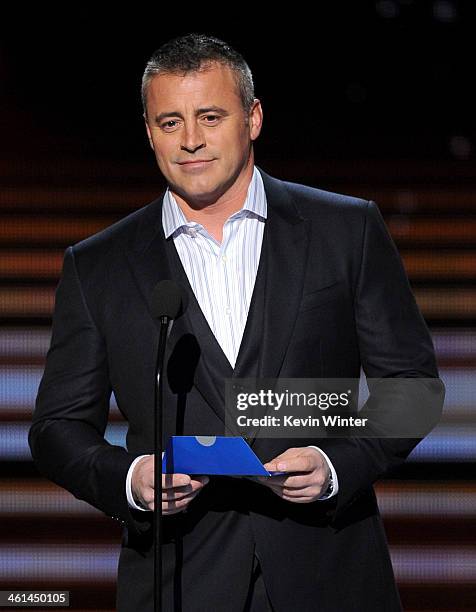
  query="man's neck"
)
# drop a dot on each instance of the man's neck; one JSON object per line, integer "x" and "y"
{"x": 214, "y": 215}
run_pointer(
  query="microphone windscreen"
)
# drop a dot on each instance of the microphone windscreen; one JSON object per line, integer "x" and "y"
{"x": 168, "y": 300}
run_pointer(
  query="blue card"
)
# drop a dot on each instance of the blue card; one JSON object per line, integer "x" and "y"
{"x": 212, "y": 455}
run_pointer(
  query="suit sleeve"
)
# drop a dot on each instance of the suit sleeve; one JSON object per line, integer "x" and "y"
{"x": 393, "y": 342}
{"x": 66, "y": 437}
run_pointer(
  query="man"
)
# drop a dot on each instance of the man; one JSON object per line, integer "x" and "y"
{"x": 283, "y": 280}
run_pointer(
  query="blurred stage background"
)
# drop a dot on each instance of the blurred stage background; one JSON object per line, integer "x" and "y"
{"x": 373, "y": 99}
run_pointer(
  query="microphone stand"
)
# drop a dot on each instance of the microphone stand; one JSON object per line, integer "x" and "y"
{"x": 158, "y": 427}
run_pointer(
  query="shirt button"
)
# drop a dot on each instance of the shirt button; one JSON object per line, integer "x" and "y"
{"x": 228, "y": 311}
{"x": 223, "y": 259}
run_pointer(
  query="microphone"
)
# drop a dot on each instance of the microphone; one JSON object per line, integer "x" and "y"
{"x": 168, "y": 301}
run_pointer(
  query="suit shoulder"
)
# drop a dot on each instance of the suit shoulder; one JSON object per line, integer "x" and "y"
{"x": 120, "y": 232}
{"x": 311, "y": 200}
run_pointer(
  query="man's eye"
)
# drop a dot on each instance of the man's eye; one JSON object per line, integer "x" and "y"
{"x": 167, "y": 125}
{"x": 211, "y": 118}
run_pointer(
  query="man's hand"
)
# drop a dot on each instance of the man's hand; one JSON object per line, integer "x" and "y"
{"x": 309, "y": 479}
{"x": 178, "y": 490}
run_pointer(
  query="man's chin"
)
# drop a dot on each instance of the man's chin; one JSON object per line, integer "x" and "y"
{"x": 198, "y": 196}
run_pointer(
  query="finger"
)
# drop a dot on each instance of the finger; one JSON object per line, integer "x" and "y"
{"x": 297, "y": 487}
{"x": 300, "y": 481}
{"x": 299, "y": 500}
{"x": 283, "y": 458}
{"x": 202, "y": 478}
{"x": 180, "y": 504}
{"x": 182, "y": 501}
{"x": 311, "y": 491}
{"x": 317, "y": 480}
{"x": 175, "y": 480}
{"x": 304, "y": 485}
{"x": 301, "y": 463}
{"x": 176, "y": 492}
{"x": 169, "y": 509}
{"x": 282, "y": 480}
{"x": 179, "y": 492}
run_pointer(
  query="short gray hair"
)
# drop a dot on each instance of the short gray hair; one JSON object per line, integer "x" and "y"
{"x": 193, "y": 52}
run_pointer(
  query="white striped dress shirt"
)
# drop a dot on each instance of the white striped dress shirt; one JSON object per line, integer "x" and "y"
{"x": 222, "y": 276}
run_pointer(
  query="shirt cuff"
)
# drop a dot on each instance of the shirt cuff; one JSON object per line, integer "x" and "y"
{"x": 333, "y": 475}
{"x": 130, "y": 498}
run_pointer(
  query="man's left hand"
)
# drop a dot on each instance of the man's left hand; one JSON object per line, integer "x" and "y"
{"x": 309, "y": 477}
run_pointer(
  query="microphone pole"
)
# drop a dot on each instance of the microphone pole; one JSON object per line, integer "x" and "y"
{"x": 167, "y": 302}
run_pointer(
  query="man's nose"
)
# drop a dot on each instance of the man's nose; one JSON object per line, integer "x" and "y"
{"x": 192, "y": 139}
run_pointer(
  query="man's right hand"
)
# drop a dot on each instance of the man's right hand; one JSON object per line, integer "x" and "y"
{"x": 178, "y": 490}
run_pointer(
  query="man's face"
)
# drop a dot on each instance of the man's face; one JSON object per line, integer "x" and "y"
{"x": 200, "y": 132}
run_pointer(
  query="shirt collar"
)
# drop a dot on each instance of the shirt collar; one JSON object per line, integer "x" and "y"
{"x": 254, "y": 204}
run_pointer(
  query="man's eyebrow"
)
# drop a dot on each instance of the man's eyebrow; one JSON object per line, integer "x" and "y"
{"x": 199, "y": 111}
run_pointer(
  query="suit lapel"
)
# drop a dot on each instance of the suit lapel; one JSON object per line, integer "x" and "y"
{"x": 277, "y": 292}
{"x": 148, "y": 261}
{"x": 286, "y": 254}
{"x": 247, "y": 360}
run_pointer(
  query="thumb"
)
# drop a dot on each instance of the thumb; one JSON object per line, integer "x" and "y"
{"x": 275, "y": 465}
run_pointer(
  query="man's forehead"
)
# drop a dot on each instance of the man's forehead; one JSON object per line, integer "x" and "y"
{"x": 215, "y": 76}
{"x": 206, "y": 87}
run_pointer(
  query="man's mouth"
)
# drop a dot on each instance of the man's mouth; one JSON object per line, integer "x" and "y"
{"x": 194, "y": 162}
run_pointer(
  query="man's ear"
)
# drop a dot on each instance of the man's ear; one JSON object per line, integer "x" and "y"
{"x": 149, "y": 135}
{"x": 255, "y": 120}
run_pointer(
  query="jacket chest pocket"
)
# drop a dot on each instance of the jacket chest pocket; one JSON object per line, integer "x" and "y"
{"x": 322, "y": 296}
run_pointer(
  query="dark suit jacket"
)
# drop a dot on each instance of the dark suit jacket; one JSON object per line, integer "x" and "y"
{"x": 330, "y": 296}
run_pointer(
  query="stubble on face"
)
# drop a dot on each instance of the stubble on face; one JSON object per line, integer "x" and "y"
{"x": 201, "y": 117}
